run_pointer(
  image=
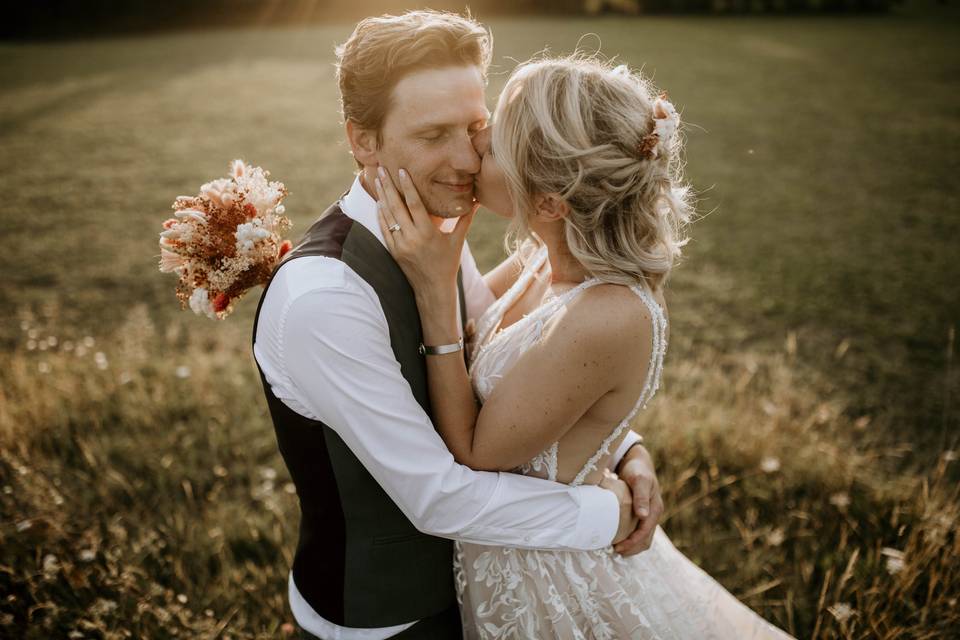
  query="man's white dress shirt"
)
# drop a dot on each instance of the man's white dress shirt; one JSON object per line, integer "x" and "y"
{"x": 323, "y": 345}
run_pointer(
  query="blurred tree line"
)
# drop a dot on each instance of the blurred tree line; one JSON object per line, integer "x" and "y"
{"x": 75, "y": 18}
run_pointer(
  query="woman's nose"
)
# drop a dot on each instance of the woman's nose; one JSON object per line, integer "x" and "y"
{"x": 481, "y": 141}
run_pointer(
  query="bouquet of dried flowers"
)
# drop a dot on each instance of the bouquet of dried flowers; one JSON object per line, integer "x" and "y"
{"x": 225, "y": 240}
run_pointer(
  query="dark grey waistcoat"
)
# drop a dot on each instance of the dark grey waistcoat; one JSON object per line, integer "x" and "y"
{"x": 359, "y": 561}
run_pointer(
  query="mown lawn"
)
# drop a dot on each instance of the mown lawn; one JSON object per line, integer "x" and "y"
{"x": 805, "y": 426}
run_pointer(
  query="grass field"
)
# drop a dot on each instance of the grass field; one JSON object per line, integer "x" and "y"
{"x": 806, "y": 429}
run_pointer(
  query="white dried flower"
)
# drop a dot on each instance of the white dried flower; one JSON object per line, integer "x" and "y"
{"x": 215, "y": 190}
{"x": 666, "y": 121}
{"x": 194, "y": 214}
{"x": 200, "y": 303}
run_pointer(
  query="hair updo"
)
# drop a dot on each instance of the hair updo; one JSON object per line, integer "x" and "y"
{"x": 581, "y": 128}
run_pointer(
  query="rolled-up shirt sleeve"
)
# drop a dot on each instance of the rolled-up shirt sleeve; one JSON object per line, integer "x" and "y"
{"x": 339, "y": 368}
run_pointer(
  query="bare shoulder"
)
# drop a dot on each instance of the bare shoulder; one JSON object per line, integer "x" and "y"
{"x": 613, "y": 308}
{"x": 608, "y": 319}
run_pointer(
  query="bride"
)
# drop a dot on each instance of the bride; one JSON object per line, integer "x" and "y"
{"x": 584, "y": 159}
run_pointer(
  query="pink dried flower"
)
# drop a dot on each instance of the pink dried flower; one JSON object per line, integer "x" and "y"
{"x": 170, "y": 261}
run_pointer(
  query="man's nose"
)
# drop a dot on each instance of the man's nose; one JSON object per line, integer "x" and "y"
{"x": 465, "y": 157}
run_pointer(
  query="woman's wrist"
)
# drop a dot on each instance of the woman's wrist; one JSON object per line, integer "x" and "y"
{"x": 438, "y": 317}
{"x": 440, "y": 332}
{"x": 434, "y": 301}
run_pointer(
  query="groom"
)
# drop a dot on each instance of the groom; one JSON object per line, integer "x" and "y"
{"x": 337, "y": 341}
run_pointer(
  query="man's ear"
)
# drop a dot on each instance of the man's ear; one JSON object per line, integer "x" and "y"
{"x": 363, "y": 144}
{"x": 550, "y": 207}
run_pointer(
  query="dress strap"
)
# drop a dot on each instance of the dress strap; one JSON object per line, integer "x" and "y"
{"x": 650, "y": 386}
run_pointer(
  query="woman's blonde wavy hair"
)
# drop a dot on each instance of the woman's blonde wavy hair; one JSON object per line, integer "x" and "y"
{"x": 575, "y": 126}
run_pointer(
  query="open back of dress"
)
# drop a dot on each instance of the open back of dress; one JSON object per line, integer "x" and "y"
{"x": 517, "y": 593}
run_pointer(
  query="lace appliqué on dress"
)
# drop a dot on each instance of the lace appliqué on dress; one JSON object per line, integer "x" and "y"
{"x": 528, "y": 594}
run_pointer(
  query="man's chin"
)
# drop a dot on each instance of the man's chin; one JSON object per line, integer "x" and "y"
{"x": 452, "y": 207}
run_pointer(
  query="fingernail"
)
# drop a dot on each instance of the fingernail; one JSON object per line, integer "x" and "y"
{"x": 403, "y": 173}
{"x": 377, "y": 181}
{"x": 381, "y": 172}
{"x": 642, "y": 512}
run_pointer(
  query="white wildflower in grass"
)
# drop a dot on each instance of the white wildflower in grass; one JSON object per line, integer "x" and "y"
{"x": 103, "y": 606}
{"x": 776, "y": 537}
{"x": 895, "y": 561}
{"x": 225, "y": 240}
{"x": 770, "y": 464}
{"x": 841, "y": 611}
{"x": 840, "y": 500}
{"x": 268, "y": 473}
{"x": 51, "y": 566}
{"x": 183, "y": 372}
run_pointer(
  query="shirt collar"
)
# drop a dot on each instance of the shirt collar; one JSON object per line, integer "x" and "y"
{"x": 361, "y": 207}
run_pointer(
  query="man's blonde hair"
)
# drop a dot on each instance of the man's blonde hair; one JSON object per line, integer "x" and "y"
{"x": 577, "y": 126}
{"x": 383, "y": 49}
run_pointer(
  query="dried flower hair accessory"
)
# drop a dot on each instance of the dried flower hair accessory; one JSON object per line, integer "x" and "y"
{"x": 666, "y": 121}
{"x": 225, "y": 240}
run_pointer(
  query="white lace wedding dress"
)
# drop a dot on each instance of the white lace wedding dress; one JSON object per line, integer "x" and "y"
{"x": 523, "y": 594}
